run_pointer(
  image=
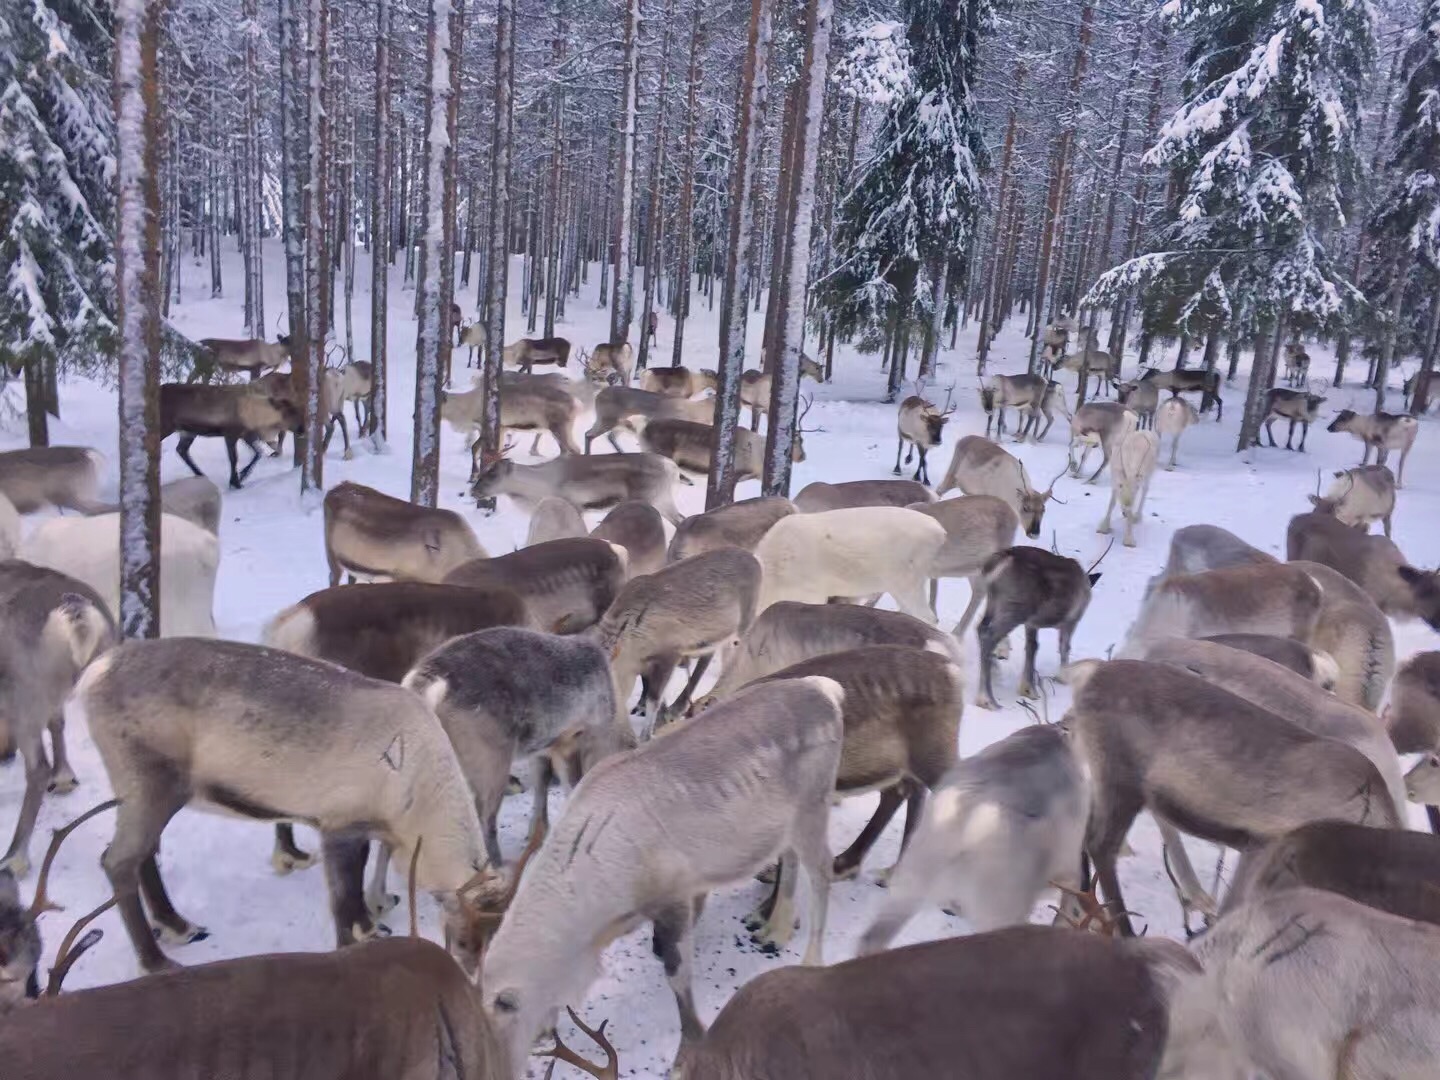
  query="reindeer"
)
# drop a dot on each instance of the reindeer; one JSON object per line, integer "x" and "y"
{"x": 1130, "y": 480}
{"x": 901, "y": 710}
{"x": 1392, "y": 870}
{"x": 1157, "y": 737}
{"x": 620, "y": 407}
{"x": 691, "y": 446}
{"x": 1260, "y": 598}
{"x": 406, "y": 1011}
{"x": 1141, "y": 398}
{"x": 976, "y": 527}
{"x": 65, "y": 477}
{"x": 527, "y": 352}
{"x": 610, "y": 357}
{"x": 194, "y": 498}
{"x": 649, "y": 832}
{"x": 1091, "y": 362}
{"x": 1308, "y": 985}
{"x": 1098, "y": 423}
{"x": 1171, "y": 418}
{"x": 233, "y": 413}
{"x": 1297, "y": 364}
{"x": 371, "y": 534}
{"x": 1195, "y": 548}
{"x": 999, "y": 828}
{"x": 1037, "y": 589}
{"x": 892, "y": 1015}
{"x": 1054, "y": 343}
{"x": 922, "y": 426}
{"x": 678, "y": 381}
{"x": 275, "y": 737}
{"x": 860, "y": 552}
{"x": 1358, "y": 496}
{"x": 507, "y": 693}
{"x": 591, "y": 483}
{"x": 788, "y": 633}
{"x": 979, "y": 467}
{"x": 1313, "y": 664}
{"x": 755, "y": 388}
{"x": 529, "y": 404}
{"x": 739, "y": 524}
{"x": 1372, "y": 562}
{"x": 54, "y": 626}
{"x": 1381, "y": 432}
{"x": 688, "y": 609}
{"x": 820, "y": 496}
{"x": 566, "y": 585}
{"x": 1353, "y": 631}
{"x": 1181, "y": 381}
{"x": 554, "y": 519}
{"x": 637, "y": 528}
{"x": 247, "y": 355}
{"x": 1412, "y": 719}
{"x": 1029, "y": 395}
{"x": 1297, "y": 406}
{"x": 473, "y": 335}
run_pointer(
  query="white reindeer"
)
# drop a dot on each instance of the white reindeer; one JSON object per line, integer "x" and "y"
{"x": 1130, "y": 480}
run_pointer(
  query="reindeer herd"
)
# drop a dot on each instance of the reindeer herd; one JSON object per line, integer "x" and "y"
{"x": 1255, "y": 703}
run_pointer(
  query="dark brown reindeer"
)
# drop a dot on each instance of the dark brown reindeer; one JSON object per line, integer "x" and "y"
{"x": 1297, "y": 406}
{"x": 232, "y": 413}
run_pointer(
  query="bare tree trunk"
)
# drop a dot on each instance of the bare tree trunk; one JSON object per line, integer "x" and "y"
{"x": 137, "y": 271}
{"x": 497, "y": 277}
{"x": 790, "y": 333}
{"x": 1261, "y": 371}
{"x": 939, "y": 278}
{"x": 657, "y": 179}
{"x": 751, "y": 108}
{"x": 316, "y": 271}
{"x": 622, "y": 310}
{"x": 554, "y": 288}
{"x": 685, "y": 223}
{"x": 294, "y": 169}
{"x": 252, "y": 214}
{"x": 1420, "y": 401}
{"x": 432, "y": 339}
{"x": 1002, "y": 203}
{"x": 380, "y": 222}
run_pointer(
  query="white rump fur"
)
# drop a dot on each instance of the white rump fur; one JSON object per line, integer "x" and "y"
{"x": 861, "y": 551}
{"x": 88, "y": 548}
{"x": 10, "y": 529}
{"x": 1130, "y": 472}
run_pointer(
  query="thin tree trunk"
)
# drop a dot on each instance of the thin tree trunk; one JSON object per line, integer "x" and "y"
{"x": 137, "y": 271}
{"x": 380, "y": 223}
{"x": 1420, "y": 400}
{"x": 293, "y": 172}
{"x": 1260, "y": 378}
{"x": 253, "y": 205}
{"x": 685, "y": 222}
{"x": 622, "y": 311}
{"x": 809, "y": 119}
{"x": 1002, "y": 203}
{"x": 657, "y": 178}
{"x": 720, "y": 489}
{"x": 316, "y": 270}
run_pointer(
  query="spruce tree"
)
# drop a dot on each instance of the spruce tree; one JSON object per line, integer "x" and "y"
{"x": 912, "y": 211}
{"x": 1262, "y": 154}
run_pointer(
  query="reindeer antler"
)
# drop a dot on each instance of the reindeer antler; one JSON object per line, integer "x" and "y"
{"x": 414, "y": 861}
{"x": 494, "y": 903}
{"x": 800, "y": 420}
{"x": 70, "y": 951}
{"x": 1094, "y": 911}
{"x": 42, "y": 902}
{"x": 1098, "y": 561}
{"x": 560, "y": 1052}
{"x": 948, "y": 407}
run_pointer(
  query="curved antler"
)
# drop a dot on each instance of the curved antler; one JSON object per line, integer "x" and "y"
{"x": 42, "y": 902}
{"x": 70, "y": 952}
{"x": 609, "y": 1071}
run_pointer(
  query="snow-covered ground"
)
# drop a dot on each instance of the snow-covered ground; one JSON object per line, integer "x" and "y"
{"x": 217, "y": 869}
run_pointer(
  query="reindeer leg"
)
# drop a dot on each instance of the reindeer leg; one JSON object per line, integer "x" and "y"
{"x": 37, "y": 777}
{"x": 1433, "y": 813}
{"x": 899, "y": 445}
{"x": 344, "y": 434}
{"x": 182, "y": 447}
{"x": 378, "y": 900}
{"x": 1270, "y": 430}
{"x": 139, "y": 821}
{"x": 1104, "y": 460}
{"x": 1112, "y": 812}
{"x": 1026, "y": 688}
{"x": 540, "y": 809}
{"x": 680, "y": 704}
{"x": 977, "y": 593}
{"x": 251, "y": 442}
{"x": 812, "y": 850}
{"x": 287, "y": 855}
{"x": 1290, "y": 434}
{"x": 170, "y": 925}
{"x": 1304, "y": 434}
{"x": 847, "y": 863}
{"x": 1104, "y": 527}
{"x": 1191, "y": 893}
{"x": 62, "y": 776}
{"x": 345, "y": 857}
{"x": 674, "y": 946}
{"x": 773, "y": 932}
{"x": 989, "y": 634}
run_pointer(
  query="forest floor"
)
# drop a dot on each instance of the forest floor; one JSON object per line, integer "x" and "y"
{"x": 217, "y": 869}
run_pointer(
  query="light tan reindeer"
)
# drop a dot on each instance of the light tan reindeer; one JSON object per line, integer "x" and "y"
{"x": 979, "y": 467}
{"x": 1358, "y": 496}
{"x": 1380, "y": 432}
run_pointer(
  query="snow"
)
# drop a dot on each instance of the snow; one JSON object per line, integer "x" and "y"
{"x": 217, "y": 869}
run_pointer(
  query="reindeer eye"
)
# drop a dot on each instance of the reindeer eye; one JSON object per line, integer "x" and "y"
{"x": 507, "y": 1001}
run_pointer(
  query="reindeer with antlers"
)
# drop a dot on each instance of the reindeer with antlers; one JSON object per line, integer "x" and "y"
{"x": 922, "y": 426}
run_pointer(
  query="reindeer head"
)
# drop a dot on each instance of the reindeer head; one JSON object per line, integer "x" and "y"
{"x": 489, "y": 469}
{"x": 809, "y": 368}
{"x": 474, "y": 911}
{"x": 1424, "y": 593}
{"x": 1343, "y": 419}
{"x": 987, "y": 398}
{"x": 1312, "y": 405}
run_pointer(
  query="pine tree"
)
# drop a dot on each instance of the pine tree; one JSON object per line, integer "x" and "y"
{"x": 1262, "y": 154}
{"x": 912, "y": 211}
{"x": 57, "y": 164}
{"x": 1405, "y": 226}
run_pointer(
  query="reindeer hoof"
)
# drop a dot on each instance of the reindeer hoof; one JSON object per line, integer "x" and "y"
{"x": 895, "y": 472}
{"x": 62, "y": 783}
{"x": 844, "y": 871}
{"x": 349, "y": 455}
{"x": 1129, "y": 542}
{"x": 187, "y": 934}
{"x": 513, "y": 786}
{"x": 382, "y": 905}
{"x": 1103, "y": 530}
{"x": 1025, "y": 690}
{"x": 17, "y": 864}
{"x": 773, "y": 938}
{"x": 284, "y": 861}
{"x": 767, "y": 876}
{"x": 987, "y": 703}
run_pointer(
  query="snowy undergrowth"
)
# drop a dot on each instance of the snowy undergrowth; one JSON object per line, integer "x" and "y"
{"x": 218, "y": 869}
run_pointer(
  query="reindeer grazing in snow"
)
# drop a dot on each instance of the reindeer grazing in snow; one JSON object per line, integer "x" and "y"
{"x": 1359, "y": 496}
{"x": 1089, "y": 362}
{"x": 54, "y": 626}
{"x": 591, "y": 483}
{"x": 371, "y": 534}
{"x": 1141, "y": 398}
{"x": 1380, "y": 432}
{"x": 755, "y": 388}
{"x": 565, "y": 585}
{"x": 275, "y": 737}
{"x": 233, "y": 413}
{"x": 1372, "y": 562}
{"x": 622, "y": 406}
{"x": 979, "y": 467}
{"x": 976, "y": 527}
{"x": 1028, "y": 395}
{"x": 65, "y": 477}
{"x": 678, "y": 381}
{"x": 608, "y": 358}
{"x": 1180, "y": 381}
{"x": 1297, "y": 364}
{"x": 1294, "y": 405}
{"x": 999, "y": 827}
{"x": 738, "y": 524}
{"x": 649, "y": 832}
{"x": 639, "y": 529}
{"x": 1098, "y": 423}
{"x": 691, "y": 445}
{"x": 922, "y": 426}
{"x": 1130, "y": 480}
{"x": 819, "y": 495}
{"x": 246, "y": 355}
{"x": 527, "y": 352}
